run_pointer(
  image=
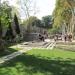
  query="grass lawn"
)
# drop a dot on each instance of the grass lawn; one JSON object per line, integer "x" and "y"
{"x": 41, "y": 62}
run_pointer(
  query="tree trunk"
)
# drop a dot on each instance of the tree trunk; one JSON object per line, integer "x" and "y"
{"x": 1, "y": 41}
{"x": 2, "y": 47}
{"x": 63, "y": 30}
{"x": 72, "y": 23}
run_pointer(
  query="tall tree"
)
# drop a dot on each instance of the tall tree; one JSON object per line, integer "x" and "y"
{"x": 72, "y": 23}
{"x": 31, "y": 22}
{"x": 16, "y": 24}
{"x": 0, "y": 29}
{"x": 28, "y": 7}
{"x": 5, "y": 11}
{"x": 63, "y": 14}
{"x": 47, "y": 21}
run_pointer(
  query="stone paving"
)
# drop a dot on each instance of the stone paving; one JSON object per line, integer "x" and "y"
{"x": 13, "y": 55}
{"x": 26, "y": 46}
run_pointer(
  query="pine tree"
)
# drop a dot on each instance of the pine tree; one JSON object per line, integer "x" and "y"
{"x": 16, "y": 24}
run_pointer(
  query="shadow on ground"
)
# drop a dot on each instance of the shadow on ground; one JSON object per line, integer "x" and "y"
{"x": 32, "y": 65}
{"x": 7, "y": 51}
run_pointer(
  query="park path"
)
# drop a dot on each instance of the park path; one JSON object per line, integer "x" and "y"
{"x": 13, "y": 55}
{"x": 23, "y": 50}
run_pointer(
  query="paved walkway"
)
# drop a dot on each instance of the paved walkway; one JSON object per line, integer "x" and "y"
{"x": 13, "y": 55}
{"x": 24, "y": 49}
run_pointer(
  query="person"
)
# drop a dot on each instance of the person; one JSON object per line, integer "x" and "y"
{"x": 45, "y": 35}
{"x": 56, "y": 37}
{"x": 41, "y": 37}
{"x": 65, "y": 37}
{"x": 70, "y": 37}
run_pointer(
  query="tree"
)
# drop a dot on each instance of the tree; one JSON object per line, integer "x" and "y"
{"x": 5, "y": 12}
{"x": 31, "y": 22}
{"x": 1, "y": 41}
{"x": 37, "y": 23}
{"x": 63, "y": 14}
{"x": 0, "y": 29}
{"x": 16, "y": 24}
{"x": 47, "y": 21}
{"x": 28, "y": 7}
{"x": 9, "y": 33}
{"x": 72, "y": 23}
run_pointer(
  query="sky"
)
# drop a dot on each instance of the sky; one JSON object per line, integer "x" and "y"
{"x": 45, "y": 7}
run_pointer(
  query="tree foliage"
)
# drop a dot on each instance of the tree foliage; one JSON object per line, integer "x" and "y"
{"x": 28, "y": 7}
{"x": 63, "y": 13}
{"x": 47, "y": 21}
{"x": 9, "y": 33}
{"x": 31, "y": 22}
{"x": 5, "y": 18}
{"x": 59, "y": 12}
{"x": 5, "y": 14}
{"x": 0, "y": 29}
{"x": 16, "y": 24}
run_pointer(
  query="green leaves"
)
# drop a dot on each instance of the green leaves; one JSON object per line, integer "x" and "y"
{"x": 47, "y": 21}
{"x": 5, "y": 14}
{"x": 0, "y": 28}
{"x": 62, "y": 12}
{"x": 16, "y": 24}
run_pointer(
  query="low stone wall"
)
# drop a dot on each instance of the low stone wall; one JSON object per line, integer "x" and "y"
{"x": 31, "y": 37}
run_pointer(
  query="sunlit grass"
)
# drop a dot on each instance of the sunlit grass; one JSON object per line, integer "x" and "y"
{"x": 55, "y": 53}
{"x": 41, "y": 62}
